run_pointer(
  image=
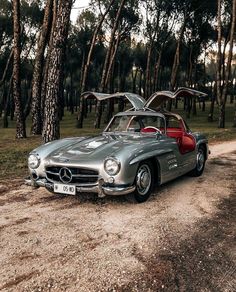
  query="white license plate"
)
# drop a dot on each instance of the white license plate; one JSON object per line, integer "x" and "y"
{"x": 64, "y": 189}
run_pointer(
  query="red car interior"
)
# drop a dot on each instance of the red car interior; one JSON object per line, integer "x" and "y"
{"x": 185, "y": 141}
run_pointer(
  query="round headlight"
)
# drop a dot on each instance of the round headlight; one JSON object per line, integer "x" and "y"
{"x": 111, "y": 166}
{"x": 33, "y": 161}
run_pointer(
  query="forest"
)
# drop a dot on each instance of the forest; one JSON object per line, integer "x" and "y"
{"x": 47, "y": 60}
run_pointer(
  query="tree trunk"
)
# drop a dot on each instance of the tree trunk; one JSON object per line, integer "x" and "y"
{"x": 188, "y": 106}
{"x": 107, "y": 68}
{"x": 6, "y": 68}
{"x": 80, "y": 117}
{"x": 157, "y": 69}
{"x": 147, "y": 73}
{"x": 38, "y": 70}
{"x": 28, "y": 101}
{"x": 175, "y": 66}
{"x": 20, "y": 122}
{"x": 46, "y": 66}
{"x": 61, "y": 89}
{"x": 98, "y": 115}
{"x": 190, "y": 69}
{"x": 7, "y": 104}
{"x": 223, "y": 96}
{"x": 194, "y": 109}
{"x": 96, "y": 31}
{"x": 210, "y": 115}
{"x": 234, "y": 120}
{"x": 51, "y": 129}
{"x": 134, "y": 78}
{"x": 109, "y": 50}
{"x": 112, "y": 59}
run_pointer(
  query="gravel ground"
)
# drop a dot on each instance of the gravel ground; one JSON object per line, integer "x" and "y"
{"x": 182, "y": 239}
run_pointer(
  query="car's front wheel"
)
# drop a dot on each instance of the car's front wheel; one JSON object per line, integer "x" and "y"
{"x": 143, "y": 182}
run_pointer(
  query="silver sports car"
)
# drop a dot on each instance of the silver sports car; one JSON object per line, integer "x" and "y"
{"x": 139, "y": 148}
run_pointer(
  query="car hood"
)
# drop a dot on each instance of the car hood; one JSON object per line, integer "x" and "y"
{"x": 96, "y": 148}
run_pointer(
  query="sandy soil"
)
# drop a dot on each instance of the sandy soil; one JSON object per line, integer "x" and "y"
{"x": 182, "y": 239}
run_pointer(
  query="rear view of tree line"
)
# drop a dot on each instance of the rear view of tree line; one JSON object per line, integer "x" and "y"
{"x": 115, "y": 45}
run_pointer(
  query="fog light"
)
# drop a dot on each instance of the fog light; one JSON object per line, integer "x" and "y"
{"x": 34, "y": 176}
{"x": 101, "y": 181}
{"x": 111, "y": 180}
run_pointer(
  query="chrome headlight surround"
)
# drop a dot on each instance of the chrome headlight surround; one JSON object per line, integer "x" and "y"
{"x": 111, "y": 165}
{"x": 33, "y": 161}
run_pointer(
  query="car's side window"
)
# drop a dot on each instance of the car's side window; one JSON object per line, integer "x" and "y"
{"x": 156, "y": 122}
{"x": 173, "y": 122}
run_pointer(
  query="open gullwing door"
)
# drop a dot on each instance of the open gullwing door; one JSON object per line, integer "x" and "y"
{"x": 157, "y": 99}
{"x": 136, "y": 100}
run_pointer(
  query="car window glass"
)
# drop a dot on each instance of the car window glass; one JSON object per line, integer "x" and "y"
{"x": 153, "y": 121}
{"x": 136, "y": 123}
{"x": 119, "y": 124}
{"x": 173, "y": 122}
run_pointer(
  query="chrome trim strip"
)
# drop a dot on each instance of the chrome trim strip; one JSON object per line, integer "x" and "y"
{"x": 97, "y": 188}
{"x": 85, "y": 175}
{"x": 53, "y": 173}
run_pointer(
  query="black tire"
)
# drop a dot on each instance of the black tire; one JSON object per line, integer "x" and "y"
{"x": 201, "y": 160}
{"x": 144, "y": 182}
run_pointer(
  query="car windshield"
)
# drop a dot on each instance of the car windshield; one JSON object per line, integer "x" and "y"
{"x": 137, "y": 123}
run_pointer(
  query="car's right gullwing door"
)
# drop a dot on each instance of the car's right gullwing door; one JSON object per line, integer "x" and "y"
{"x": 157, "y": 99}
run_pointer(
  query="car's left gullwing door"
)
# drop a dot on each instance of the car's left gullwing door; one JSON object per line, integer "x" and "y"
{"x": 136, "y": 100}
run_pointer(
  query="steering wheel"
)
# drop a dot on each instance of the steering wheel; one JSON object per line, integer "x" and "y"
{"x": 151, "y": 129}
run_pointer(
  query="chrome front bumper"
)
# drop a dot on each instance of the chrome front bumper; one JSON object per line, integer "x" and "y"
{"x": 98, "y": 188}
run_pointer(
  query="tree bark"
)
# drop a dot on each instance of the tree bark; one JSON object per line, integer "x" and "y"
{"x": 157, "y": 69}
{"x": 7, "y": 104}
{"x": 190, "y": 69}
{"x": 234, "y": 120}
{"x": 51, "y": 129}
{"x": 106, "y": 64}
{"x": 113, "y": 55}
{"x": 109, "y": 50}
{"x": 175, "y": 66}
{"x": 46, "y": 66}
{"x": 38, "y": 70}
{"x": 80, "y": 117}
{"x": 6, "y": 68}
{"x": 210, "y": 115}
{"x": 223, "y": 95}
{"x": 147, "y": 73}
{"x": 20, "y": 121}
{"x": 96, "y": 31}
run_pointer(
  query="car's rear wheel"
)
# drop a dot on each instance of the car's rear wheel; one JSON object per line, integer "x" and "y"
{"x": 201, "y": 160}
{"x": 143, "y": 182}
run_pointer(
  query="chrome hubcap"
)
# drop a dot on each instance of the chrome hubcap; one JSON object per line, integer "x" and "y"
{"x": 143, "y": 179}
{"x": 200, "y": 160}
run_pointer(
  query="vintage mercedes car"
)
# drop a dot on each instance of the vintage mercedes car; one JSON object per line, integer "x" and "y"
{"x": 139, "y": 148}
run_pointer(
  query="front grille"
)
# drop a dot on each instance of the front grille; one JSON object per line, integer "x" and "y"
{"x": 79, "y": 175}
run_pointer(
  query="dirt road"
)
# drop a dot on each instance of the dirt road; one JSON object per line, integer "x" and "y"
{"x": 182, "y": 239}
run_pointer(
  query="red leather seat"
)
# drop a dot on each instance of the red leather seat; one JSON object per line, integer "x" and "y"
{"x": 185, "y": 141}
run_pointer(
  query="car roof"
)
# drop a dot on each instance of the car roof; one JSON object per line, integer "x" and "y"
{"x": 140, "y": 113}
